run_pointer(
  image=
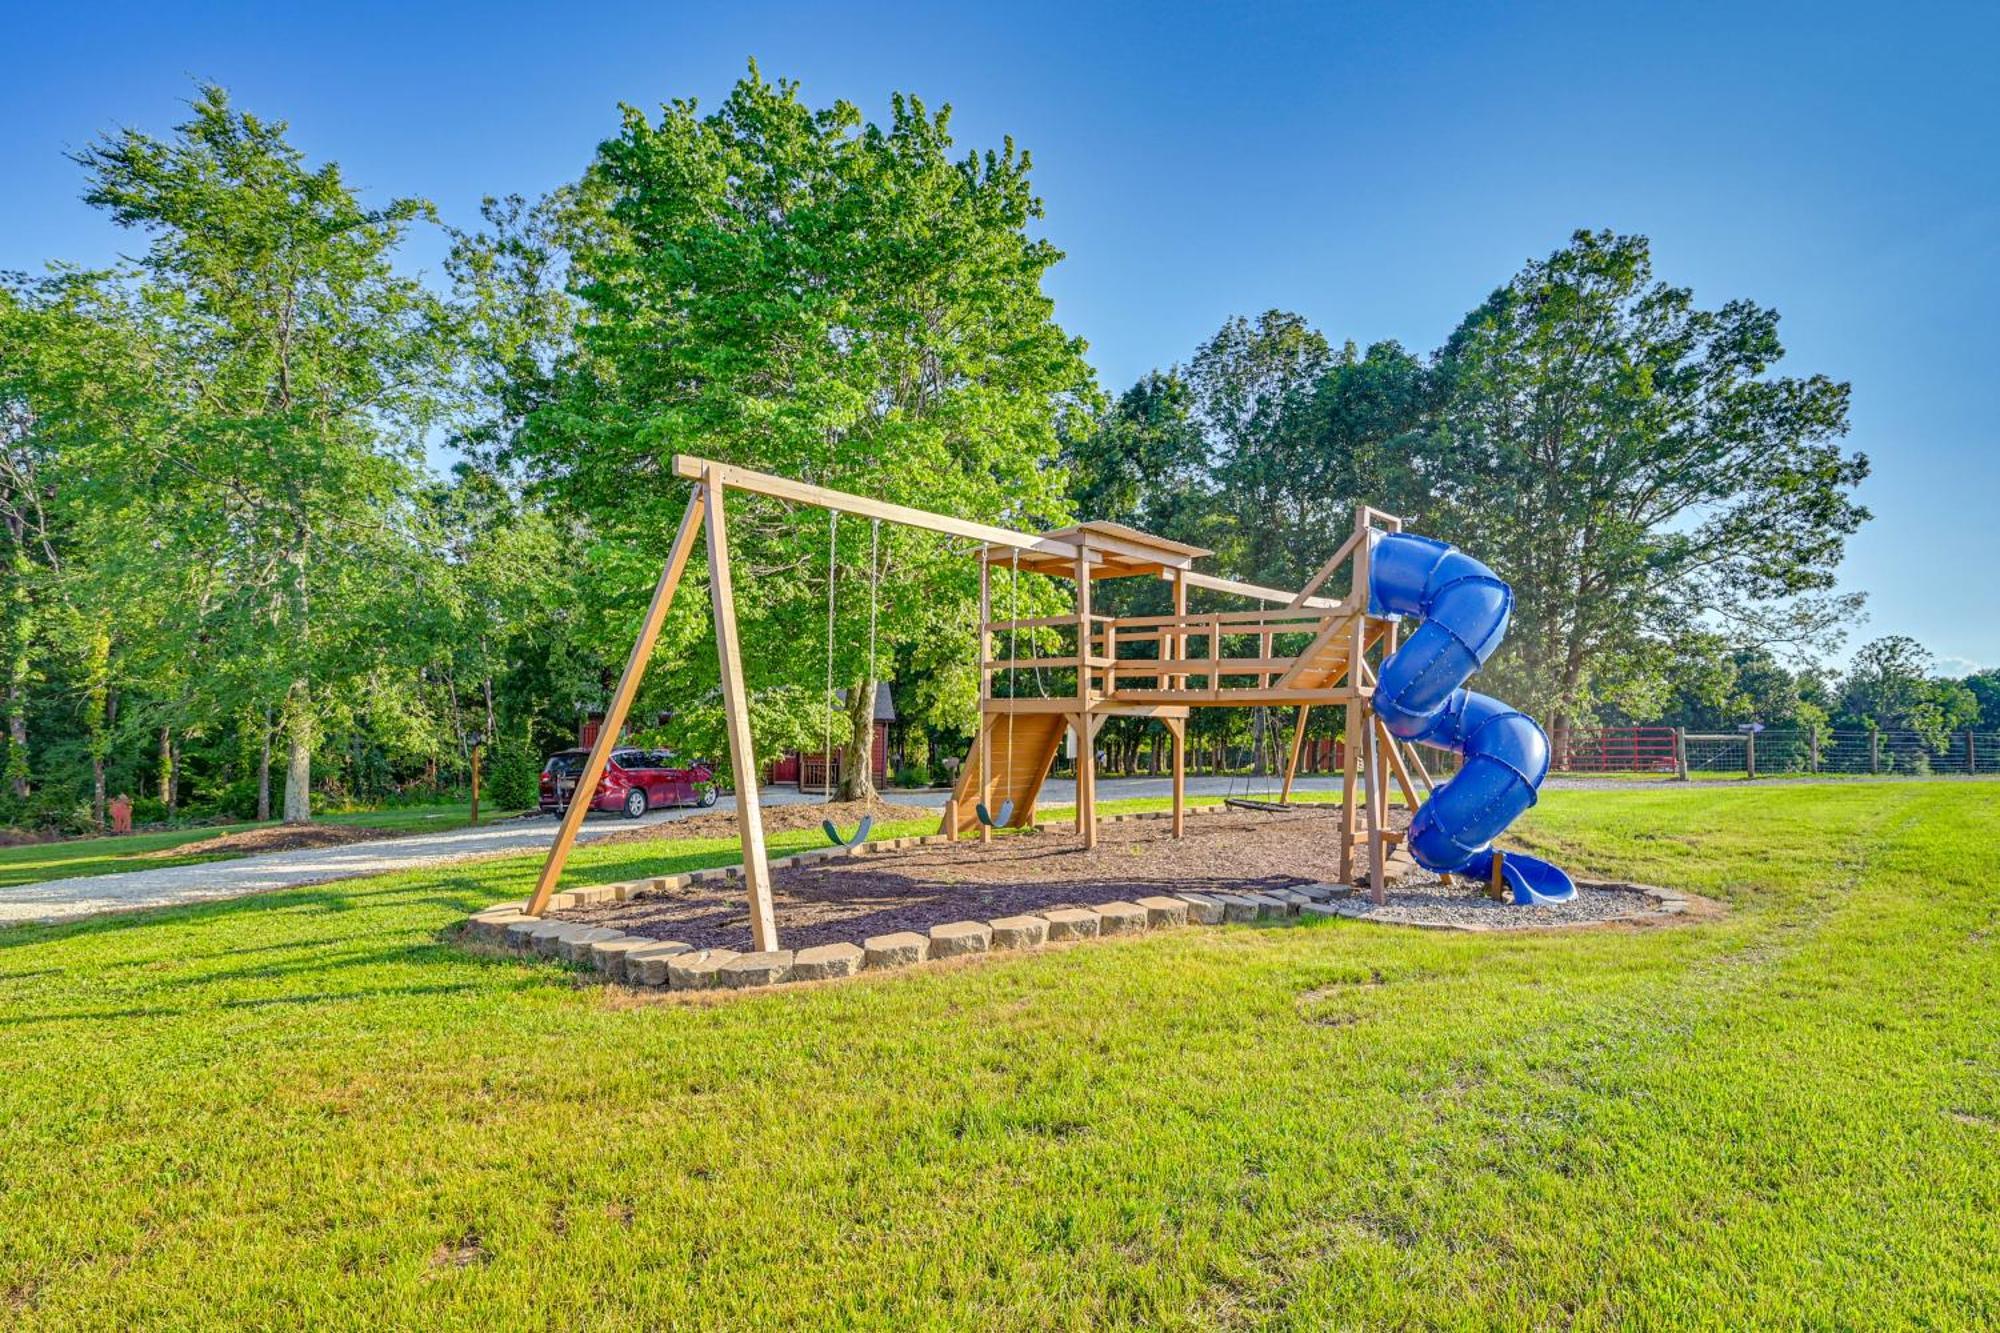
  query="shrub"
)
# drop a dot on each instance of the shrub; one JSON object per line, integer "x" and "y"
{"x": 513, "y": 778}
{"x": 913, "y": 775}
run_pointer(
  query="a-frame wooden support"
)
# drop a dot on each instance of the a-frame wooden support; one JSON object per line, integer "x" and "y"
{"x": 621, "y": 702}
{"x": 704, "y": 513}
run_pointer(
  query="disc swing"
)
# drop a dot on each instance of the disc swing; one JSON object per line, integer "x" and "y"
{"x": 827, "y": 826}
{"x": 1266, "y": 750}
{"x": 1005, "y": 814}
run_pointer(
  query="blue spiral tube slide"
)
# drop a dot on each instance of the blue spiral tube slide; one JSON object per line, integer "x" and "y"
{"x": 1420, "y": 696}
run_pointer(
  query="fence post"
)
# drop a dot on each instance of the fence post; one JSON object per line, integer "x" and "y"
{"x": 1681, "y": 753}
{"x": 1750, "y": 754}
{"x": 1875, "y": 750}
{"x": 1812, "y": 748}
{"x": 1971, "y": 755}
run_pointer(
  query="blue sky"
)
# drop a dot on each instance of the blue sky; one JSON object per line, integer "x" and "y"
{"x": 1378, "y": 168}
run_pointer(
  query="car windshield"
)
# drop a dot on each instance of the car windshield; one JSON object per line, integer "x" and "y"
{"x": 630, "y": 759}
{"x": 567, "y": 764}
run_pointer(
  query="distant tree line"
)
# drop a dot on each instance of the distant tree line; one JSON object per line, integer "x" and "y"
{"x": 234, "y": 583}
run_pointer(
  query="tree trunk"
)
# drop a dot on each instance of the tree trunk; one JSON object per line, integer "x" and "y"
{"x": 298, "y": 761}
{"x": 264, "y": 772}
{"x": 857, "y": 766}
{"x": 17, "y": 739}
{"x": 167, "y": 768}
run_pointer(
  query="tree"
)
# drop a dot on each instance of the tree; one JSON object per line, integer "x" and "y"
{"x": 1889, "y": 685}
{"x": 1626, "y": 460}
{"x": 1144, "y": 461}
{"x": 1250, "y": 383}
{"x": 799, "y": 291}
{"x": 298, "y": 371}
{"x": 1984, "y": 687}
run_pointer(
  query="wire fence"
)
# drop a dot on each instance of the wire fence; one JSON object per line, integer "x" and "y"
{"x": 1777, "y": 751}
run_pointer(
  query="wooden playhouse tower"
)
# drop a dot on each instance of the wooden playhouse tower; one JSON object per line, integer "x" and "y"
{"x": 1295, "y": 649}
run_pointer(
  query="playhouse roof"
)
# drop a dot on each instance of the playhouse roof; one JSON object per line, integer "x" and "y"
{"x": 1120, "y": 552}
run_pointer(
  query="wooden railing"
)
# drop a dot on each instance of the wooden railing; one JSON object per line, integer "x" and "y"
{"x": 1215, "y": 655}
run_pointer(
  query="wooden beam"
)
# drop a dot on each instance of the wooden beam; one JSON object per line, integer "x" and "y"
{"x": 1177, "y": 728}
{"x": 799, "y": 492}
{"x": 1257, "y": 590}
{"x": 1292, "y": 764}
{"x": 620, "y": 705}
{"x": 736, "y": 720}
{"x": 1326, "y": 571}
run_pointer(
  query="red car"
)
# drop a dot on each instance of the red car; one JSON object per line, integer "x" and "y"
{"x": 634, "y": 781}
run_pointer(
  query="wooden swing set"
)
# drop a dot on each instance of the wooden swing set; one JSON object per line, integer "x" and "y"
{"x": 1157, "y": 667}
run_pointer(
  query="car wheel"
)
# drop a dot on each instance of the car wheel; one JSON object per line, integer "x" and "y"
{"x": 635, "y": 803}
{"x": 707, "y": 796}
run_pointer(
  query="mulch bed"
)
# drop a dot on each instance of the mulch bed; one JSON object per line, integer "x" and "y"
{"x": 849, "y": 899}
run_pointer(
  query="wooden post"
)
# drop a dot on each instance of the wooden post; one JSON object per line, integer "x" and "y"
{"x": 621, "y": 703}
{"x": 736, "y": 719}
{"x": 1971, "y": 757}
{"x": 1681, "y": 753}
{"x": 1177, "y": 728}
{"x": 1086, "y": 734}
{"x": 475, "y": 784}
{"x": 1378, "y": 854}
{"x": 1750, "y": 754}
{"x": 982, "y": 791}
{"x": 1357, "y": 710}
{"x": 1812, "y": 747}
{"x": 1179, "y": 680}
{"x": 1396, "y": 767}
{"x": 1292, "y": 765}
{"x": 1874, "y": 749}
{"x": 951, "y": 819}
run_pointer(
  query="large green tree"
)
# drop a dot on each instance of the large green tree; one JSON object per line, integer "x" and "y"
{"x": 296, "y": 371}
{"x": 1629, "y": 462}
{"x": 802, "y": 291}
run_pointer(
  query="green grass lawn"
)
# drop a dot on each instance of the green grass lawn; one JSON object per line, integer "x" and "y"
{"x": 303, "y": 1108}
{"x": 103, "y": 856}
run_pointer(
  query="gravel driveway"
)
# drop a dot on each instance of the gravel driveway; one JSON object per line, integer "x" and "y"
{"x": 55, "y": 899}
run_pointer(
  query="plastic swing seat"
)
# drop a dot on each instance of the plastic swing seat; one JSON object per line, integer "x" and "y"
{"x": 991, "y": 820}
{"x": 826, "y": 826}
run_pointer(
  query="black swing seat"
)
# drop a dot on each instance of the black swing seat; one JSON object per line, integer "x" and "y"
{"x": 1252, "y": 803}
{"x": 988, "y": 818}
{"x": 860, "y": 833}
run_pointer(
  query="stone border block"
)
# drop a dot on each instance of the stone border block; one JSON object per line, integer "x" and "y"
{"x": 1120, "y": 918}
{"x": 547, "y": 937}
{"x": 648, "y": 966}
{"x": 1162, "y": 912}
{"x": 767, "y": 967}
{"x": 1072, "y": 923}
{"x": 575, "y": 946}
{"x": 1202, "y": 909}
{"x": 608, "y": 956}
{"x": 1019, "y": 932}
{"x": 1236, "y": 908}
{"x": 698, "y": 969}
{"x": 824, "y": 962}
{"x": 901, "y": 949}
{"x": 958, "y": 938}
